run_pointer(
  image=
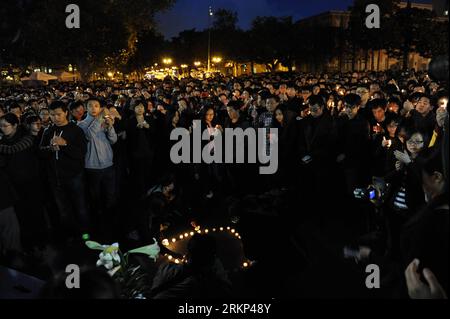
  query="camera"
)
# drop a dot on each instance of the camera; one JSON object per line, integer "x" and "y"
{"x": 369, "y": 194}
{"x": 375, "y": 193}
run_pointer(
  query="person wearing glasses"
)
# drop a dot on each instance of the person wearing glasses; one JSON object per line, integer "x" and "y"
{"x": 407, "y": 195}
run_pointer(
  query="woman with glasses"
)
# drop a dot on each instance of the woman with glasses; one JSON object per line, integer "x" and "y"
{"x": 406, "y": 195}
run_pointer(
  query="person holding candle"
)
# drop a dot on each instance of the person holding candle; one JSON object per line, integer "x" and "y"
{"x": 63, "y": 148}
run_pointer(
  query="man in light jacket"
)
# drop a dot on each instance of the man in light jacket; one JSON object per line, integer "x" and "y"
{"x": 100, "y": 134}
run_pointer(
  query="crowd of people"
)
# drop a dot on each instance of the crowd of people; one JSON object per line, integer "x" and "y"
{"x": 92, "y": 160}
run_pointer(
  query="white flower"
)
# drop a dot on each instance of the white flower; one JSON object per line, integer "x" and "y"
{"x": 109, "y": 257}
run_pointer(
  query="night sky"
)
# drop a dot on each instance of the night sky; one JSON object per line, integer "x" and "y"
{"x": 188, "y": 14}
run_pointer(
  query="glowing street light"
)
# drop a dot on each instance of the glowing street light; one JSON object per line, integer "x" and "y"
{"x": 184, "y": 66}
{"x": 197, "y": 63}
{"x": 217, "y": 59}
{"x": 167, "y": 61}
{"x": 110, "y": 74}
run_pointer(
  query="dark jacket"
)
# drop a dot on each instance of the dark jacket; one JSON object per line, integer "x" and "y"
{"x": 20, "y": 156}
{"x": 354, "y": 142}
{"x": 141, "y": 141}
{"x": 7, "y": 194}
{"x": 424, "y": 124}
{"x": 178, "y": 282}
{"x": 317, "y": 138}
{"x": 68, "y": 162}
{"x": 426, "y": 237}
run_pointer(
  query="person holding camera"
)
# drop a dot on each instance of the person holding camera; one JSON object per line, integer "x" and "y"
{"x": 354, "y": 144}
{"x": 100, "y": 134}
{"x": 140, "y": 132}
{"x": 63, "y": 149}
{"x": 316, "y": 145}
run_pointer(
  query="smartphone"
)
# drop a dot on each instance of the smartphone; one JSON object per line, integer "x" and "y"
{"x": 350, "y": 252}
{"x": 307, "y": 159}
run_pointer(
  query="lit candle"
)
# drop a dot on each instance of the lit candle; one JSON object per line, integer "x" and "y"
{"x": 165, "y": 242}
{"x": 173, "y": 240}
{"x": 214, "y": 229}
{"x": 206, "y": 231}
{"x": 245, "y": 265}
{"x": 228, "y": 228}
{"x": 186, "y": 234}
{"x": 191, "y": 233}
{"x": 181, "y": 236}
{"x": 221, "y": 228}
{"x": 177, "y": 261}
{"x": 170, "y": 257}
{"x": 233, "y": 231}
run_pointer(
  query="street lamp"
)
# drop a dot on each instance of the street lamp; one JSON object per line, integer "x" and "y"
{"x": 197, "y": 63}
{"x": 209, "y": 37}
{"x": 167, "y": 61}
{"x": 217, "y": 59}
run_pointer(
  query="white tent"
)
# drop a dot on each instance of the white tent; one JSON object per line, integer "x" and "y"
{"x": 68, "y": 76}
{"x": 39, "y": 76}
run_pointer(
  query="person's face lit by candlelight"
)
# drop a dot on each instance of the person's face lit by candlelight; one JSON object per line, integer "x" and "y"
{"x": 442, "y": 102}
{"x": 424, "y": 106}
{"x": 139, "y": 110}
{"x": 392, "y": 128}
{"x": 279, "y": 116}
{"x": 393, "y": 107}
{"x": 378, "y": 113}
{"x": 415, "y": 144}
{"x": 209, "y": 116}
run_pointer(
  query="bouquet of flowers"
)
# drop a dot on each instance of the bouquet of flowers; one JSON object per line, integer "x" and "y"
{"x": 133, "y": 280}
